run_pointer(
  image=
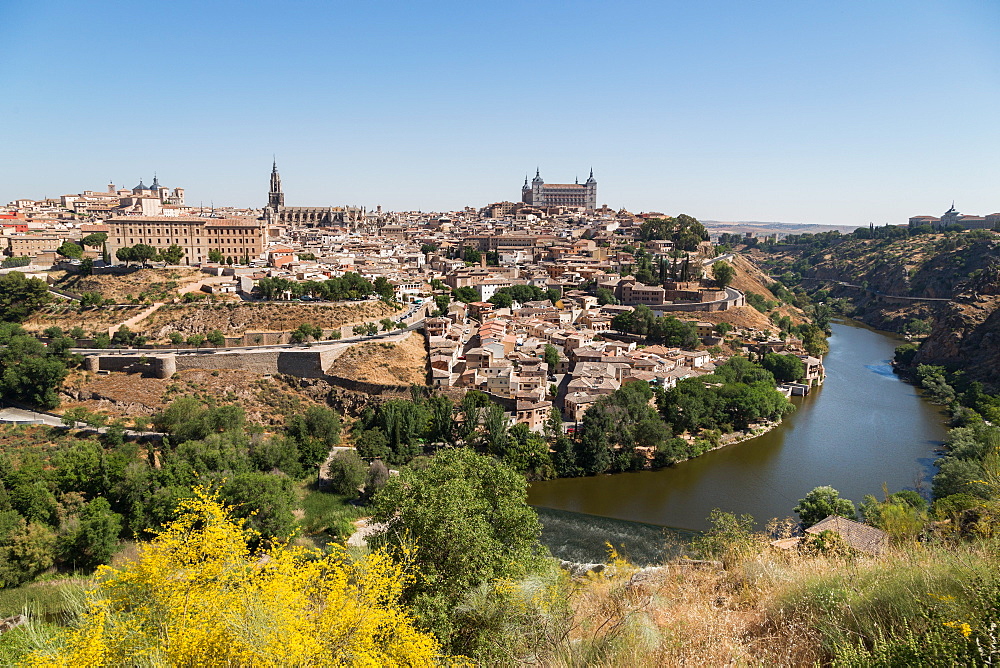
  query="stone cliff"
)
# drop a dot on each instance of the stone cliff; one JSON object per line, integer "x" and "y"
{"x": 966, "y": 270}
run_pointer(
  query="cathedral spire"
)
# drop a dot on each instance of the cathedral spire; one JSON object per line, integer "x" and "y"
{"x": 275, "y": 198}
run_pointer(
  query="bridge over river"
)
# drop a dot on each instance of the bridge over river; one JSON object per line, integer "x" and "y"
{"x": 879, "y": 292}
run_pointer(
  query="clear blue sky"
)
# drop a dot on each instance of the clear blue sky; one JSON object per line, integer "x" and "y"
{"x": 823, "y": 112}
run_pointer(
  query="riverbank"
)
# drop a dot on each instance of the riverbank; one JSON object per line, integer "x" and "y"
{"x": 869, "y": 428}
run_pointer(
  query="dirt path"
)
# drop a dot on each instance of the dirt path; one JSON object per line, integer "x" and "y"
{"x": 145, "y": 313}
{"x": 134, "y": 319}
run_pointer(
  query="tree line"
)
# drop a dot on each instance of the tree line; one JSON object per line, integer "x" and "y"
{"x": 69, "y": 504}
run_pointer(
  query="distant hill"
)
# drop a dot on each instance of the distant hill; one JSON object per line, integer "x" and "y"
{"x": 759, "y": 228}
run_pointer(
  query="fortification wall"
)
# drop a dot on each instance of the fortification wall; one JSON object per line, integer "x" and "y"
{"x": 300, "y": 363}
{"x": 160, "y": 366}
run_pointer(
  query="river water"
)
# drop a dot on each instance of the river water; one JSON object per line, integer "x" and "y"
{"x": 863, "y": 429}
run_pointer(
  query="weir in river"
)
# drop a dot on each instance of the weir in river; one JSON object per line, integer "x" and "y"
{"x": 864, "y": 428}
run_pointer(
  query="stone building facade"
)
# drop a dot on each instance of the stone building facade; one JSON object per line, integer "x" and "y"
{"x": 566, "y": 195}
{"x": 305, "y": 216}
{"x": 237, "y": 238}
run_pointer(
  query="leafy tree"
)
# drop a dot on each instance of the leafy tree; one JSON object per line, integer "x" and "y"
{"x": 384, "y": 289}
{"x": 143, "y": 253}
{"x": 375, "y": 480}
{"x": 172, "y": 255}
{"x": 669, "y": 330}
{"x": 564, "y": 457}
{"x": 686, "y": 232}
{"x": 204, "y": 590}
{"x": 215, "y": 256}
{"x": 125, "y": 254}
{"x": 472, "y": 255}
{"x": 372, "y": 444}
{"x": 551, "y": 357}
{"x": 21, "y": 296}
{"x": 94, "y": 240}
{"x": 306, "y": 331}
{"x": 527, "y": 453}
{"x": 502, "y": 300}
{"x": 216, "y": 338}
{"x": 27, "y": 549}
{"x": 70, "y": 250}
{"x": 471, "y": 409}
{"x": 346, "y": 473}
{"x": 466, "y": 294}
{"x": 265, "y": 502}
{"x": 822, "y": 502}
{"x": 605, "y": 296}
{"x": 29, "y": 373}
{"x": 442, "y": 422}
{"x": 404, "y": 424}
{"x": 738, "y": 369}
{"x": 918, "y": 327}
{"x": 495, "y": 435}
{"x": 123, "y": 336}
{"x": 87, "y": 267}
{"x": 723, "y": 273}
{"x": 785, "y": 368}
{"x": 958, "y": 476}
{"x": 176, "y": 338}
{"x": 466, "y": 519}
{"x": 593, "y": 452}
{"x": 186, "y": 419}
{"x": 196, "y": 340}
{"x": 93, "y": 538}
{"x": 315, "y": 431}
{"x": 428, "y": 248}
{"x": 88, "y": 299}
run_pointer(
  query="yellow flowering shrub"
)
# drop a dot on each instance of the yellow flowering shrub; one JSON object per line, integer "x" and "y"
{"x": 197, "y": 596}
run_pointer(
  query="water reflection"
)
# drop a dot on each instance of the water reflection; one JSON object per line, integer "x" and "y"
{"x": 863, "y": 429}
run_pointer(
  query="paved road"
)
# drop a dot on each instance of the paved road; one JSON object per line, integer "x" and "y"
{"x": 712, "y": 260}
{"x": 20, "y": 415}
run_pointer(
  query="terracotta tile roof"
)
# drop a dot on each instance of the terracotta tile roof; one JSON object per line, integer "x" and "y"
{"x": 861, "y": 537}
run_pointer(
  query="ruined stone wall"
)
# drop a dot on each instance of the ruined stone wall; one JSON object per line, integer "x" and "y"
{"x": 160, "y": 366}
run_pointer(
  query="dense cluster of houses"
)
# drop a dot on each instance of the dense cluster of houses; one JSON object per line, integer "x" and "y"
{"x": 504, "y": 353}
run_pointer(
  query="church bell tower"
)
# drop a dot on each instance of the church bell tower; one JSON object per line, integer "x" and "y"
{"x": 275, "y": 198}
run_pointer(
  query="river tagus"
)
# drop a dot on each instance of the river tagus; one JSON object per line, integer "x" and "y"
{"x": 863, "y": 429}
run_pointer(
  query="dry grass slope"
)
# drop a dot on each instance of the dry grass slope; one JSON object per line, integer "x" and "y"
{"x": 273, "y": 317}
{"x": 265, "y": 400}
{"x": 117, "y": 286}
{"x": 403, "y": 363}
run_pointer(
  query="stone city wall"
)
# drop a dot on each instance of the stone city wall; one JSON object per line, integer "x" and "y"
{"x": 160, "y": 366}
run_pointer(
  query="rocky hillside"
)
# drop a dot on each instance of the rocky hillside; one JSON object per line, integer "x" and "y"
{"x": 966, "y": 332}
{"x": 962, "y": 268}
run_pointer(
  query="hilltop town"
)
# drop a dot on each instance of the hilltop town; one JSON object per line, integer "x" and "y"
{"x": 546, "y": 303}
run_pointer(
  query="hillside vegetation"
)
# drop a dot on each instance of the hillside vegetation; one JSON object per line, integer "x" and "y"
{"x": 138, "y": 283}
{"x": 237, "y": 318}
{"x": 962, "y": 268}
